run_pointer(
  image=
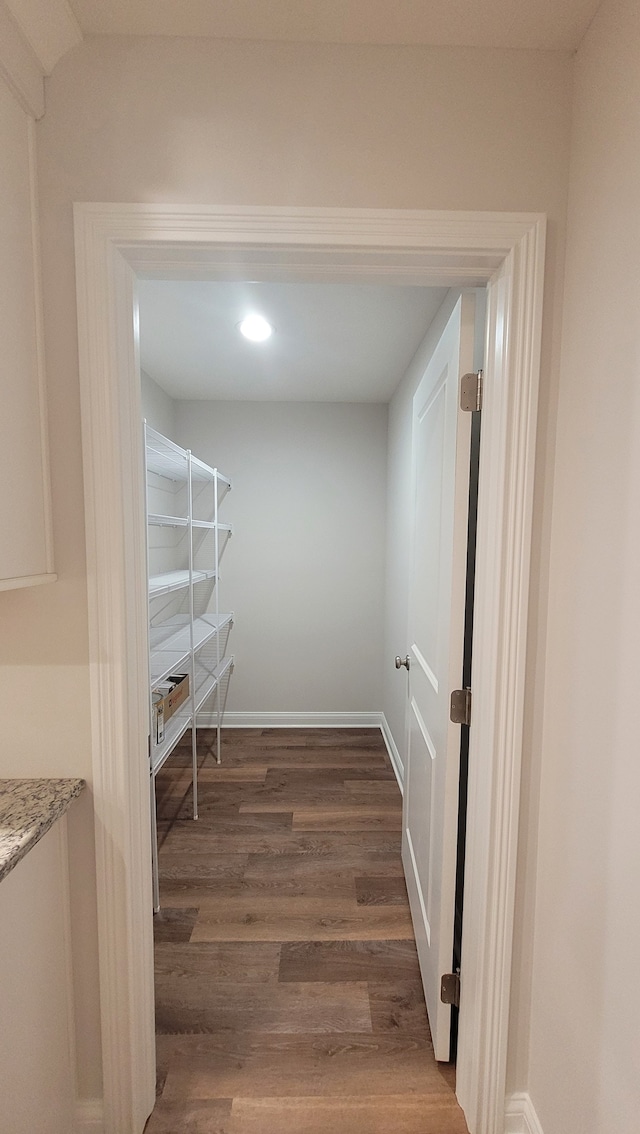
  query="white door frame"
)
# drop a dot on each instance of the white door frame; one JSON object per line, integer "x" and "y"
{"x": 114, "y": 243}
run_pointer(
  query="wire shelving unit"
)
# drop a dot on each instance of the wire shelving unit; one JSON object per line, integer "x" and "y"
{"x": 188, "y": 632}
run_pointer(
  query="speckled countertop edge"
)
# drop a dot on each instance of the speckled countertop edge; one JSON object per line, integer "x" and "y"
{"x": 28, "y": 808}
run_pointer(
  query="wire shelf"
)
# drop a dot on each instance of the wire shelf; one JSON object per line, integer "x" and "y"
{"x": 171, "y": 642}
{"x": 169, "y": 581}
{"x": 159, "y": 521}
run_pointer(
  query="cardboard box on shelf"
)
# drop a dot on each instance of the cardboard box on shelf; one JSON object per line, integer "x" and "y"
{"x": 174, "y": 691}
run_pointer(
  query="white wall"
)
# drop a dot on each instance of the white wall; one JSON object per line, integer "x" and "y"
{"x": 303, "y": 571}
{"x": 158, "y": 408}
{"x": 585, "y": 1030}
{"x": 273, "y": 124}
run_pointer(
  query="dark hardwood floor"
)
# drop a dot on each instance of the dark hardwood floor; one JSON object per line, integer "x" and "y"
{"x": 288, "y": 996}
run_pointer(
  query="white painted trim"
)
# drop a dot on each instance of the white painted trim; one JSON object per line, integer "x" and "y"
{"x": 19, "y": 65}
{"x": 45, "y": 561}
{"x": 62, "y": 834}
{"x": 520, "y": 1116}
{"x": 394, "y": 754}
{"x": 430, "y": 246}
{"x": 116, "y": 589}
{"x": 505, "y": 504}
{"x": 40, "y": 355}
{"x": 291, "y": 720}
{"x": 26, "y": 581}
{"x": 89, "y": 1117}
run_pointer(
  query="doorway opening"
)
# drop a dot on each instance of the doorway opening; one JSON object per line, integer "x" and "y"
{"x": 309, "y": 506}
{"x": 114, "y": 243}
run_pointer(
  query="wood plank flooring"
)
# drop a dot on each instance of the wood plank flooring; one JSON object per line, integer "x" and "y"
{"x": 288, "y": 995}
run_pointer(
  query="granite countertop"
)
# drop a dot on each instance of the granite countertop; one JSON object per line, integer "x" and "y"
{"x": 27, "y": 809}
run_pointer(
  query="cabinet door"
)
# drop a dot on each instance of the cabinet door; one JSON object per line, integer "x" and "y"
{"x": 25, "y": 541}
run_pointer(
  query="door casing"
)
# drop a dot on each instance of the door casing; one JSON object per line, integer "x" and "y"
{"x": 114, "y": 244}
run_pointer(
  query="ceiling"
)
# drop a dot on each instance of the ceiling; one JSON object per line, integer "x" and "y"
{"x": 332, "y": 342}
{"x": 550, "y": 24}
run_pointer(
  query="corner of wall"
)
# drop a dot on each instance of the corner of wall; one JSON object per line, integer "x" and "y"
{"x": 158, "y": 407}
{"x": 520, "y": 1116}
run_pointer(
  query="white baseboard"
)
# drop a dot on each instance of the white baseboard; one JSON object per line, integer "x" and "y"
{"x": 392, "y": 749}
{"x": 89, "y": 1116}
{"x": 520, "y": 1116}
{"x": 293, "y": 720}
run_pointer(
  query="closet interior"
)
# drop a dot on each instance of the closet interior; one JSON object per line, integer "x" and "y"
{"x": 301, "y": 424}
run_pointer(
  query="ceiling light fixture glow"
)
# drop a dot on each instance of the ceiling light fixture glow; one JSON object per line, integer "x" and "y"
{"x": 255, "y": 328}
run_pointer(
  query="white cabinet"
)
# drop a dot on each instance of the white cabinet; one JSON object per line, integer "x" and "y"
{"x": 37, "y": 1072}
{"x": 188, "y": 630}
{"x": 25, "y": 521}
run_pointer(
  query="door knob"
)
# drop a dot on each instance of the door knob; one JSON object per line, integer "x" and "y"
{"x": 400, "y": 661}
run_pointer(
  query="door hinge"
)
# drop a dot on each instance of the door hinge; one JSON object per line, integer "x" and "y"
{"x": 460, "y": 712}
{"x": 471, "y": 392}
{"x": 450, "y": 989}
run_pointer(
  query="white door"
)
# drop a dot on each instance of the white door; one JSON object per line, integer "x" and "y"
{"x": 441, "y": 441}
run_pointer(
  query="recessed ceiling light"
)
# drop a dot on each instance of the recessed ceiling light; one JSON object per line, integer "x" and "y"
{"x": 255, "y": 328}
